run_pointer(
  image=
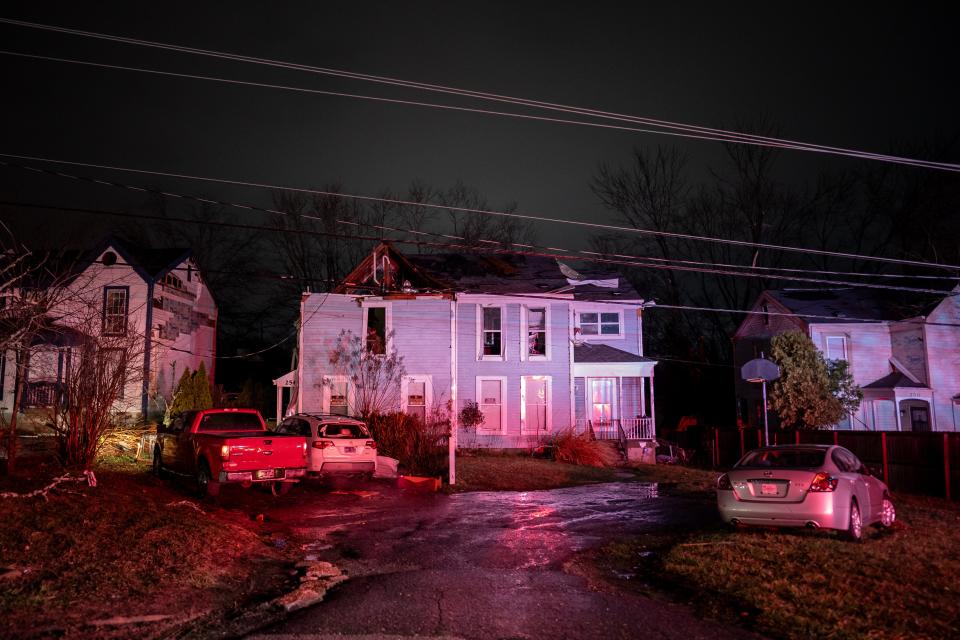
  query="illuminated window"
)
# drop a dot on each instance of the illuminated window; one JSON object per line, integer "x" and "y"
{"x": 536, "y": 333}
{"x": 535, "y": 404}
{"x": 115, "y": 307}
{"x": 492, "y": 405}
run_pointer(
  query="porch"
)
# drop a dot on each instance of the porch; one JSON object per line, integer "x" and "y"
{"x": 613, "y": 394}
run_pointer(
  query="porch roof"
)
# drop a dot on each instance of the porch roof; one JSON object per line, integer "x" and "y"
{"x": 604, "y": 353}
{"x": 894, "y": 380}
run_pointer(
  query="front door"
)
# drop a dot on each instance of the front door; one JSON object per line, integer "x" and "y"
{"x": 602, "y": 397}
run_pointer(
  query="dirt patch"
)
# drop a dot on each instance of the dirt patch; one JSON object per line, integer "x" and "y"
{"x": 132, "y": 557}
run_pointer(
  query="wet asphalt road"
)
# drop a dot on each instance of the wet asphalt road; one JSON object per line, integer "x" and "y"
{"x": 482, "y": 565}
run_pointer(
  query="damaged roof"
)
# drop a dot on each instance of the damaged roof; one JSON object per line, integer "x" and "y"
{"x": 854, "y": 305}
{"x": 521, "y": 274}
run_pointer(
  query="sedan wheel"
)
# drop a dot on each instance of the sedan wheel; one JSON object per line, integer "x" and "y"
{"x": 855, "y": 527}
{"x": 888, "y": 513}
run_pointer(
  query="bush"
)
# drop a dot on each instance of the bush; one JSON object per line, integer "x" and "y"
{"x": 580, "y": 449}
{"x": 421, "y": 447}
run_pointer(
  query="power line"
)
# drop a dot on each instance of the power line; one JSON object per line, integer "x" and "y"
{"x": 585, "y": 255}
{"x": 671, "y": 127}
{"x": 469, "y": 210}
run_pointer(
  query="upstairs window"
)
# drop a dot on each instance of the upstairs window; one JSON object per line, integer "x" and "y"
{"x": 536, "y": 344}
{"x": 492, "y": 331}
{"x": 173, "y": 282}
{"x": 837, "y": 348}
{"x": 116, "y": 301}
{"x": 377, "y": 330}
{"x": 600, "y": 323}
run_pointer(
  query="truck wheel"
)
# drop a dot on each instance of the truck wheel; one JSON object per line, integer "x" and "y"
{"x": 280, "y": 488}
{"x": 206, "y": 486}
{"x": 157, "y": 463}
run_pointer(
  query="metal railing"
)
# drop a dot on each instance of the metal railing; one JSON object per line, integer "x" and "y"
{"x": 632, "y": 428}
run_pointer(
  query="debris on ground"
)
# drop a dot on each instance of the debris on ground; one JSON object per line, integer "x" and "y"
{"x": 318, "y": 577}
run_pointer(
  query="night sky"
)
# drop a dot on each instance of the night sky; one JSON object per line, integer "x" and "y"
{"x": 857, "y": 77}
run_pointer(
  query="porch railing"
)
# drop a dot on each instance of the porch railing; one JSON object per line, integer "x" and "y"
{"x": 632, "y": 428}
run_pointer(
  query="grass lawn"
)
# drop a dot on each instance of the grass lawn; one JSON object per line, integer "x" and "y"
{"x": 902, "y": 583}
{"x": 128, "y": 547}
{"x": 522, "y": 473}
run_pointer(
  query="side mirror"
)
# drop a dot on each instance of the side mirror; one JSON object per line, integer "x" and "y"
{"x": 865, "y": 470}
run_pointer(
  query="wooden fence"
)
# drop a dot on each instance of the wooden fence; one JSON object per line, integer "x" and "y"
{"x": 920, "y": 463}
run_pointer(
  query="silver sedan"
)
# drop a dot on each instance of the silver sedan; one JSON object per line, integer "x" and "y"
{"x": 814, "y": 486}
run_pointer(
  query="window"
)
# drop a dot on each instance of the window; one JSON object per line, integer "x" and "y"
{"x": 492, "y": 332}
{"x": 338, "y": 395}
{"x": 115, "y": 306}
{"x": 338, "y": 400}
{"x": 837, "y": 348}
{"x": 600, "y": 323}
{"x": 765, "y": 310}
{"x": 492, "y": 405}
{"x": 535, "y": 404}
{"x": 415, "y": 398}
{"x": 535, "y": 345}
{"x": 173, "y": 282}
{"x": 377, "y": 330}
{"x": 295, "y": 427}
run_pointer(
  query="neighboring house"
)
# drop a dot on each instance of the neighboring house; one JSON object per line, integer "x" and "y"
{"x": 156, "y": 296}
{"x": 903, "y": 350}
{"x": 537, "y": 345}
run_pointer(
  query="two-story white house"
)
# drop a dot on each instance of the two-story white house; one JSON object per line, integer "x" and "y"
{"x": 156, "y": 296}
{"x": 903, "y": 350}
{"x": 537, "y": 345}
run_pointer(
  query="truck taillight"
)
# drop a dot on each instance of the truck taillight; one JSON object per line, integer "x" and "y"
{"x": 304, "y": 447}
{"x": 225, "y": 452}
{"x": 371, "y": 444}
{"x": 723, "y": 483}
{"x": 322, "y": 444}
{"x": 823, "y": 482}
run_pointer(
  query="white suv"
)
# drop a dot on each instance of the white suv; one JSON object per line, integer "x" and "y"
{"x": 336, "y": 445}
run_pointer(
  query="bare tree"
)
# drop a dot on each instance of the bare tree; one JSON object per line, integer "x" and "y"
{"x": 374, "y": 374}
{"x": 32, "y": 285}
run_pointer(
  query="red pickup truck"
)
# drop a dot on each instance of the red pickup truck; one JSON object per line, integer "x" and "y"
{"x": 217, "y": 446}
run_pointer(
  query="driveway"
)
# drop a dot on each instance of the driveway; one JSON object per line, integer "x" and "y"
{"x": 482, "y": 565}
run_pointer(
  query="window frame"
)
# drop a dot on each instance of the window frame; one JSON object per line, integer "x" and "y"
{"x": 126, "y": 310}
{"x": 578, "y": 324}
{"x": 387, "y": 328}
{"x": 836, "y": 336}
{"x": 548, "y": 404}
{"x": 427, "y": 380}
{"x": 503, "y": 404}
{"x": 502, "y": 357}
{"x": 329, "y": 382}
{"x": 525, "y": 333}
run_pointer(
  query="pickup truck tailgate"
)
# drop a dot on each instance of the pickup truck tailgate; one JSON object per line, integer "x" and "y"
{"x": 262, "y": 452}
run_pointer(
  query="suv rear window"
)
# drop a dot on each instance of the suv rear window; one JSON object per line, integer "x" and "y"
{"x": 784, "y": 458}
{"x": 230, "y": 422}
{"x": 343, "y": 431}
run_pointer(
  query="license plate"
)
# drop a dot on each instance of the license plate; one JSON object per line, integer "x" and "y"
{"x": 768, "y": 489}
{"x": 349, "y": 449}
{"x": 266, "y": 473}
